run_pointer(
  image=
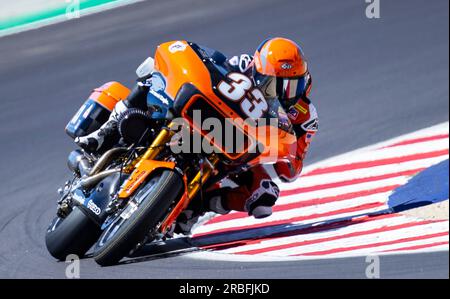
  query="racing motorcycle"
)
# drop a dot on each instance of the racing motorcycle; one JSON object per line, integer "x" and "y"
{"x": 133, "y": 193}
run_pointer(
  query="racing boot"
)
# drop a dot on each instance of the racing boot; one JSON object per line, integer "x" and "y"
{"x": 214, "y": 201}
{"x": 256, "y": 200}
{"x": 256, "y": 193}
{"x": 106, "y": 136}
{"x": 260, "y": 203}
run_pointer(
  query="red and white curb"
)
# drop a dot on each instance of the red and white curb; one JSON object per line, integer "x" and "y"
{"x": 338, "y": 208}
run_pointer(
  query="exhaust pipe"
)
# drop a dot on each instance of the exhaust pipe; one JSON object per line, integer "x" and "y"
{"x": 78, "y": 163}
{"x": 106, "y": 158}
{"x": 91, "y": 175}
{"x": 91, "y": 181}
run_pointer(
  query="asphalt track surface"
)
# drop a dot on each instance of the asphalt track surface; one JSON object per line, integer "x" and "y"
{"x": 373, "y": 80}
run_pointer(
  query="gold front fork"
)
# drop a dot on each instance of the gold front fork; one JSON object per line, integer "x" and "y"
{"x": 202, "y": 176}
{"x": 158, "y": 144}
{"x": 193, "y": 187}
{"x": 155, "y": 148}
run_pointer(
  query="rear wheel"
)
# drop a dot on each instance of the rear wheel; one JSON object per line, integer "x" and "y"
{"x": 74, "y": 234}
{"x": 141, "y": 214}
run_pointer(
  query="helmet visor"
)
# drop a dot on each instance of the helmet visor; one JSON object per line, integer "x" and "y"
{"x": 286, "y": 89}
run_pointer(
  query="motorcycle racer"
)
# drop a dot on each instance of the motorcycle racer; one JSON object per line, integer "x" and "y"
{"x": 279, "y": 69}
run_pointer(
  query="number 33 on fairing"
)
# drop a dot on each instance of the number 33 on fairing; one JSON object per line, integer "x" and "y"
{"x": 241, "y": 89}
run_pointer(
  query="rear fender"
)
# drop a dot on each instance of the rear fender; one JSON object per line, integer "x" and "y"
{"x": 140, "y": 174}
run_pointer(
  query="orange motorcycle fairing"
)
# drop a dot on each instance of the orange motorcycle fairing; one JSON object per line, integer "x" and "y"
{"x": 279, "y": 146}
{"x": 224, "y": 113}
{"x": 141, "y": 172}
{"x": 179, "y": 64}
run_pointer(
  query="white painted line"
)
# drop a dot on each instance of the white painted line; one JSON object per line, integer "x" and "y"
{"x": 394, "y": 152}
{"x": 379, "y": 249}
{"x": 218, "y": 256}
{"x": 328, "y": 233}
{"x": 387, "y": 236}
{"x": 342, "y": 190}
{"x": 308, "y": 211}
{"x": 63, "y": 18}
{"x": 309, "y": 181}
{"x": 434, "y": 130}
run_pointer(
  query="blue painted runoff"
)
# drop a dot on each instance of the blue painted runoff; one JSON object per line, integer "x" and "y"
{"x": 427, "y": 187}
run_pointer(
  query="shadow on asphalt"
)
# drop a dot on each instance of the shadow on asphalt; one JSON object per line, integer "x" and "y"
{"x": 160, "y": 250}
{"x": 225, "y": 240}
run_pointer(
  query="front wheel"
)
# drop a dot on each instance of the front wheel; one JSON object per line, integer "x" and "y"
{"x": 141, "y": 214}
{"x": 74, "y": 234}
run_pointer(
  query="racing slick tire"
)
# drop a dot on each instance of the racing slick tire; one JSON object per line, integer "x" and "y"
{"x": 74, "y": 234}
{"x": 141, "y": 214}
